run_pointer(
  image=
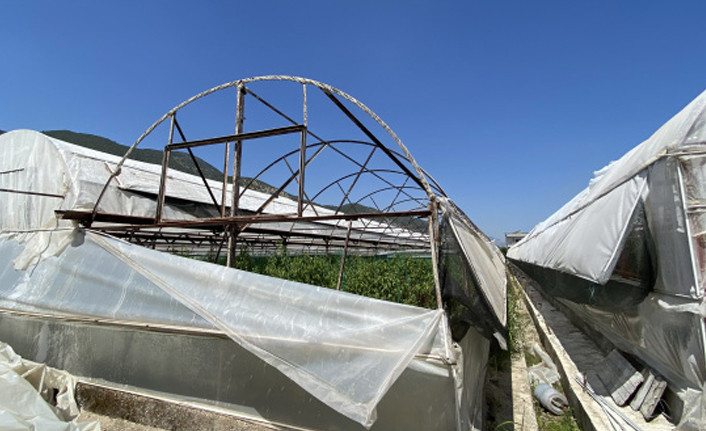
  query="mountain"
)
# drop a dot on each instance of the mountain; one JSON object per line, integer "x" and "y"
{"x": 181, "y": 161}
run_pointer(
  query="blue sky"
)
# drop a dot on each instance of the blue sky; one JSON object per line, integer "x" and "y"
{"x": 510, "y": 105}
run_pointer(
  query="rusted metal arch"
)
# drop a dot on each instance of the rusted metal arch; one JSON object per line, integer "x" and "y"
{"x": 271, "y": 165}
{"x": 370, "y": 171}
{"x": 329, "y": 90}
{"x": 330, "y": 143}
{"x": 374, "y": 192}
{"x": 360, "y": 165}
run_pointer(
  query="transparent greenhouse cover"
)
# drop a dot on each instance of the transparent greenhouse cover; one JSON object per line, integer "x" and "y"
{"x": 600, "y": 214}
{"x": 345, "y": 349}
{"x": 665, "y": 178}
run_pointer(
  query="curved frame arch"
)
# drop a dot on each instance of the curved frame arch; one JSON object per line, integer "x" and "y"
{"x": 304, "y": 81}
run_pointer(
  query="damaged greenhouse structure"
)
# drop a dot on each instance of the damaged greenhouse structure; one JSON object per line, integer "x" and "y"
{"x": 627, "y": 257}
{"x": 110, "y": 266}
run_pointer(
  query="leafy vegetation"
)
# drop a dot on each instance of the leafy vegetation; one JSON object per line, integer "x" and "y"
{"x": 501, "y": 359}
{"x": 400, "y": 278}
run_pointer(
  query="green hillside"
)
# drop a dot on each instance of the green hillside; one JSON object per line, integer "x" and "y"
{"x": 181, "y": 161}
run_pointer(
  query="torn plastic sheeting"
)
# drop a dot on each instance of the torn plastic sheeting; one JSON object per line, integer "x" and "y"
{"x": 668, "y": 229}
{"x": 669, "y": 342}
{"x": 487, "y": 266}
{"x": 22, "y": 407}
{"x": 545, "y": 371}
{"x": 42, "y": 244}
{"x": 697, "y": 307}
{"x": 604, "y": 224}
{"x": 109, "y": 290}
{"x": 344, "y": 349}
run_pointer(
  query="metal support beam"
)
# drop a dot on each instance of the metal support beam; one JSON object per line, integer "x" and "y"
{"x": 163, "y": 178}
{"x": 196, "y": 163}
{"x": 435, "y": 242}
{"x": 24, "y": 192}
{"x": 239, "y": 137}
{"x": 373, "y": 138}
{"x": 237, "y": 164}
{"x": 343, "y": 258}
{"x": 266, "y": 218}
{"x": 302, "y": 158}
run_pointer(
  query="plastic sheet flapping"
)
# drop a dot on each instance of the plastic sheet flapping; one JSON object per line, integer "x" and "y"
{"x": 21, "y": 404}
{"x": 604, "y": 225}
{"x": 472, "y": 281}
{"x": 545, "y": 245}
{"x": 344, "y": 349}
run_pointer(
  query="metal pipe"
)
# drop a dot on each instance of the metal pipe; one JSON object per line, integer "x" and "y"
{"x": 238, "y": 137}
{"x": 237, "y": 162}
{"x": 302, "y": 158}
{"x": 163, "y": 176}
{"x": 343, "y": 258}
{"x": 24, "y": 192}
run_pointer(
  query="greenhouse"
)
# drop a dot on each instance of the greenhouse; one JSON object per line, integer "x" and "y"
{"x": 126, "y": 273}
{"x": 626, "y": 256}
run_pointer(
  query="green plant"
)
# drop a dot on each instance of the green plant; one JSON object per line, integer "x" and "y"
{"x": 507, "y": 425}
{"x": 400, "y": 278}
{"x": 565, "y": 422}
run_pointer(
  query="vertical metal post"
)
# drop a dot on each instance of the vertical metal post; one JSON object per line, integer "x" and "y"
{"x": 434, "y": 241}
{"x": 695, "y": 261}
{"x": 343, "y": 258}
{"x": 237, "y": 162}
{"x": 224, "y": 191}
{"x": 163, "y": 178}
{"x": 302, "y": 157}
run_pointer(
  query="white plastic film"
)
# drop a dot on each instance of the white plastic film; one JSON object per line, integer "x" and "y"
{"x": 487, "y": 265}
{"x": 599, "y": 238}
{"x": 344, "y": 349}
{"x": 693, "y": 169}
{"x": 668, "y": 227}
{"x": 588, "y": 243}
{"x": 21, "y": 405}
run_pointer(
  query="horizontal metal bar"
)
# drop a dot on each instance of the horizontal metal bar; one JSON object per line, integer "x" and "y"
{"x": 224, "y": 221}
{"x": 25, "y": 192}
{"x": 12, "y": 171}
{"x": 238, "y": 137}
{"x": 84, "y": 216}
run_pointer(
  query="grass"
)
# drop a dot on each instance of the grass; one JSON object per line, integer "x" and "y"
{"x": 500, "y": 361}
{"x": 549, "y": 422}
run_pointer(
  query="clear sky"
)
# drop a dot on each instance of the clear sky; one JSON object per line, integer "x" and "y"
{"x": 510, "y": 105}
